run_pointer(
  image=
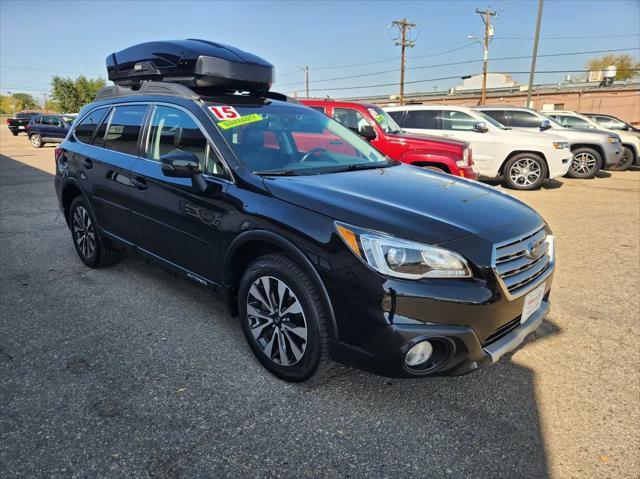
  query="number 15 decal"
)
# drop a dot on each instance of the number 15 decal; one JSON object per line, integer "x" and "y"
{"x": 224, "y": 112}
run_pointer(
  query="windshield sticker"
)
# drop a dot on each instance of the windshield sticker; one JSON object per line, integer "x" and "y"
{"x": 242, "y": 120}
{"x": 224, "y": 112}
{"x": 379, "y": 117}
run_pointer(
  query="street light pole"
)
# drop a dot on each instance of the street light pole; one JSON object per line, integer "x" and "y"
{"x": 535, "y": 53}
{"x": 488, "y": 32}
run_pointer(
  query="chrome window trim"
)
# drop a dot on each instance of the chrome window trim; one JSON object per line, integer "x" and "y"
{"x": 214, "y": 147}
{"x": 538, "y": 281}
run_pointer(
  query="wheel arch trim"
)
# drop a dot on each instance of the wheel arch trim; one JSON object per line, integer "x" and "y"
{"x": 279, "y": 241}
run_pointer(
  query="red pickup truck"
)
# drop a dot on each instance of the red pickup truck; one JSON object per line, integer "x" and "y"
{"x": 374, "y": 124}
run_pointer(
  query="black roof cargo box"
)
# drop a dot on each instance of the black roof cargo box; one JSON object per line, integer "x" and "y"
{"x": 194, "y": 63}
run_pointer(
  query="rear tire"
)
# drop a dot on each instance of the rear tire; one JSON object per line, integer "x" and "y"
{"x": 284, "y": 319}
{"x": 14, "y": 133}
{"x": 525, "y": 171}
{"x": 90, "y": 246}
{"x": 585, "y": 164}
{"x": 36, "y": 140}
{"x": 625, "y": 161}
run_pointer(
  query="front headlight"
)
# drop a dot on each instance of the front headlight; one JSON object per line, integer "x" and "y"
{"x": 613, "y": 139}
{"x": 560, "y": 145}
{"x": 402, "y": 258}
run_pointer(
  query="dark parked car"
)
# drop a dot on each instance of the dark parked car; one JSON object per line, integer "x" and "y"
{"x": 325, "y": 248}
{"x": 48, "y": 129}
{"x": 20, "y": 122}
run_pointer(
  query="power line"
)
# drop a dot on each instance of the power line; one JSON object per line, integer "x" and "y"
{"x": 464, "y": 62}
{"x": 460, "y": 76}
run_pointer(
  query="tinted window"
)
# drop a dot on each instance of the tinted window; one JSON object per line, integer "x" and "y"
{"x": 571, "y": 121}
{"x": 428, "y": 119}
{"x": 457, "y": 120}
{"x": 523, "y": 119}
{"x": 352, "y": 119}
{"x": 84, "y": 131}
{"x": 51, "y": 120}
{"x": 173, "y": 131}
{"x": 124, "y": 128}
{"x": 318, "y": 108}
{"x": 498, "y": 115}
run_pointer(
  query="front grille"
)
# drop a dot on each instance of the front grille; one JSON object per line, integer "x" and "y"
{"x": 516, "y": 269}
{"x": 502, "y": 331}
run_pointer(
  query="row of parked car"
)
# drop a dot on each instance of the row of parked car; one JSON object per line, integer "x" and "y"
{"x": 520, "y": 145}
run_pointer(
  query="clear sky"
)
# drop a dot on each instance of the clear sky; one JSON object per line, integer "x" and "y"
{"x": 40, "y": 39}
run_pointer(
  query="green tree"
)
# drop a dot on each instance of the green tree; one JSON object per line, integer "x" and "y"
{"x": 628, "y": 67}
{"x": 24, "y": 101}
{"x": 72, "y": 94}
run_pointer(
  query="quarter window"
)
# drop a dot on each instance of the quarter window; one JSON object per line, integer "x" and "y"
{"x": 174, "y": 131}
{"x": 124, "y": 129}
{"x": 425, "y": 119}
{"x": 457, "y": 120}
{"x": 84, "y": 130}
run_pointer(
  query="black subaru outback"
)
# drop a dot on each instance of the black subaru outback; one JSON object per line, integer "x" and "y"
{"x": 325, "y": 248}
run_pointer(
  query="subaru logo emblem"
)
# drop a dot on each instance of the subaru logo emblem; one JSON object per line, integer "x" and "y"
{"x": 536, "y": 249}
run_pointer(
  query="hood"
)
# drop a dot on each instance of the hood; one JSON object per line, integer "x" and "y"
{"x": 419, "y": 139}
{"x": 405, "y": 201}
{"x": 528, "y": 135}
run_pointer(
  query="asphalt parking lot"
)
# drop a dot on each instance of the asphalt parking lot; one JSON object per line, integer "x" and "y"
{"x": 129, "y": 371}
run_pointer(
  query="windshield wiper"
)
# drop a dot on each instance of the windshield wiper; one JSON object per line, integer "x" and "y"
{"x": 359, "y": 166}
{"x": 277, "y": 173}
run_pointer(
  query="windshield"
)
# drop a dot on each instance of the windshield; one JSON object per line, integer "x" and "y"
{"x": 491, "y": 120}
{"x": 278, "y": 138}
{"x": 383, "y": 119}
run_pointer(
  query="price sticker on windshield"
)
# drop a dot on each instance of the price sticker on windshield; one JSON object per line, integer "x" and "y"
{"x": 224, "y": 112}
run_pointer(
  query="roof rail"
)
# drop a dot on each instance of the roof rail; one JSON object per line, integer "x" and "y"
{"x": 165, "y": 88}
{"x": 147, "y": 88}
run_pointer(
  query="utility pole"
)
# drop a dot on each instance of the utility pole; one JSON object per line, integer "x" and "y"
{"x": 535, "y": 53}
{"x": 305, "y": 69}
{"x": 488, "y": 32}
{"x": 403, "y": 41}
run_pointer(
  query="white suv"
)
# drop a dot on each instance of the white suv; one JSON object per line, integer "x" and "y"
{"x": 523, "y": 159}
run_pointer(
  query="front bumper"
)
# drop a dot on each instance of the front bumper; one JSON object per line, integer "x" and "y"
{"x": 468, "y": 172}
{"x": 559, "y": 163}
{"x": 612, "y": 152}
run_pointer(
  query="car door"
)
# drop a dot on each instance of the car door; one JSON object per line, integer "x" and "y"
{"x": 45, "y": 127}
{"x": 420, "y": 121}
{"x": 460, "y": 125}
{"x": 354, "y": 120}
{"x": 172, "y": 221}
{"x": 101, "y": 161}
{"x": 57, "y": 128}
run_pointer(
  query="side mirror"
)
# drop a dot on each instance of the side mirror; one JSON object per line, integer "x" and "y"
{"x": 545, "y": 125}
{"x": 480, "y": 127}
{"x": 180, "y": 165}
{"x": 367, "y": 132}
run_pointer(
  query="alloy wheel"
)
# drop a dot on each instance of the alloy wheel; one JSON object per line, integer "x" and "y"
{"x": 525, "y": 172}
{"x": 84, "y": 232}
{"x": 276, "y": 320}
{"x": 583, "y": 163}
{"x": 36, "y": 141}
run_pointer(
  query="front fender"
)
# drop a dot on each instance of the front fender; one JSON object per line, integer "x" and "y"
{"x": 433, "y": 158}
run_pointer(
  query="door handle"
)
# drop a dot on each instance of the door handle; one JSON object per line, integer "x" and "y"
{"x": 87, "y": 163}
{"x": 139, "y": 184}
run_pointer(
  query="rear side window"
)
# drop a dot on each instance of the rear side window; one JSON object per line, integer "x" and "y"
{"x": 523, "y": 119}
{"x": 124, "y": 128}
{"x": 425, "y": 119}
{"x": 498, "y": 115}
{"x": 84, "y": 130}
{"x": 173, "y": 131}
{"x": 51, "y": 120}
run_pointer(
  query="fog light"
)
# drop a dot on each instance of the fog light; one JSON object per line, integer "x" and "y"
{"x": 419, "y": 354}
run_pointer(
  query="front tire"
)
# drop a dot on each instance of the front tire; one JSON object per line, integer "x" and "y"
{"x": 625, "y": 161}
{"x": 90, "y": 246}
{"x": 284, "y": 318}
{"x": 585, "y": 164}
{"x": 36, "y": 140}
{"x": 525, "y": 171}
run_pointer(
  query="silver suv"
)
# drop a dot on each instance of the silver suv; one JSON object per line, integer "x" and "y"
{"x": 592, "y": 149}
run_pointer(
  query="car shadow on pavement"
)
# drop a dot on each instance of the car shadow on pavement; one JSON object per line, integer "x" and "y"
{"x": 134, "y": 372}
{"x": 603, "y": 174}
